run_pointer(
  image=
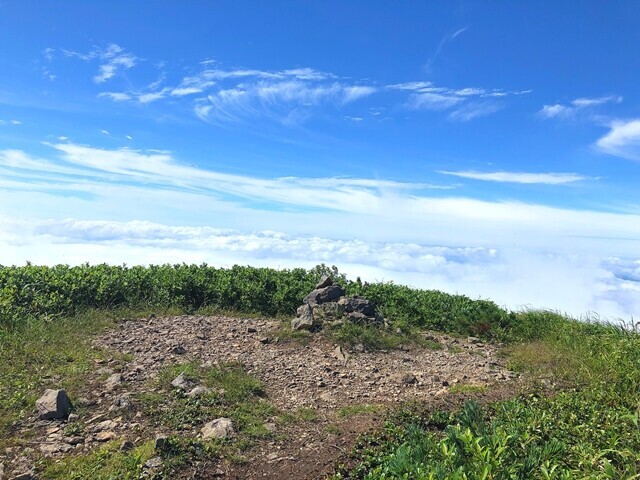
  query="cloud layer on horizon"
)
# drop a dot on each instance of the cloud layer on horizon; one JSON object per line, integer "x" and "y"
{"x": 572, "y": 283}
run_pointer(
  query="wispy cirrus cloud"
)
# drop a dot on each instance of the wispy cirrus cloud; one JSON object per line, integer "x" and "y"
{"x": 287, "y": 96}
{"x": 112, "y": 59}
{"x": 446, "y": 39}
{"x": 520, "y": 177}
{"x": 462, "y": 104}
{"x": 577, "y": 106}
{"x": 401, "y": 210}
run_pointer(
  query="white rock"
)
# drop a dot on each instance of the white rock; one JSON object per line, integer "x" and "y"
{"x": 199, "y": 392}
{"x": 181, "y": 382}
{"x": 218, "y": 428}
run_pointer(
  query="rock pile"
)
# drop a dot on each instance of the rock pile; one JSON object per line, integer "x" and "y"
{"x": 327, "y": 303}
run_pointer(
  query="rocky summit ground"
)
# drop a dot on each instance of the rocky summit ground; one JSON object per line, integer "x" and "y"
{"x": 344, "y": 391}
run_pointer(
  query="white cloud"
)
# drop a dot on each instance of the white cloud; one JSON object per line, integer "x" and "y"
{"x": 16, "y": 122}
{"x": 153, "y": 96}
{"x": 112, "y": 58}
{"x": 520, "y": 177}
{"x": 469, "y": 111}
{"x": 105, "y": 132}
{"x": 622, "y": 140}
{"x": 116, "y": 96}
{"x": 432, "y": 101}
{"x": 116, "y": 59}
{"x": 287, "y": 96}
{"x": 463, "y": 104}
{"x": 576, "y": 106}
{"x": 164, "y": 189}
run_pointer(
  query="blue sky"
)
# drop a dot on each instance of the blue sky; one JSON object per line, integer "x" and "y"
{"x": 485, "y": 148}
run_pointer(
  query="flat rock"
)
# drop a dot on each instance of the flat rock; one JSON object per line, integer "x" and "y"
{"x": 358, "y": 304}
{"x": 155, "y": 462}
{"x": 105, "y": 436}
{"x": 218, "y": 428}
{"x": 53, "y": 404}
{"x": 325, "y": 281}
{"x": 324, "y": 295}
{"x": 53, "y": 448}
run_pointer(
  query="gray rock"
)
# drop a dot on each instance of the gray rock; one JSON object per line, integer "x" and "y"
{"x": 341, "y": 354}
{"x": 325, "y": 281}
{"x": 55, "y": 447}
{"x": 305, "y": 319}
{"x": 160, "y": 443}
{"x": 126, "y": 446}
{"x": 182, "y": 382}
{"x": 409, "y": 379}
{"x": 53, "y": 404}
{"x": 73, "y": 418}
{"x": 179, "y": 350}
{"x": 155, "y": 462}
{"x": 114, "y": 381}
{"x": 122, "y": 402}
{"x": 198, "y": 392}
{"x": 358, "y": 304}
{"x": 324, "y": 295}
{"x": 218, "y": 428}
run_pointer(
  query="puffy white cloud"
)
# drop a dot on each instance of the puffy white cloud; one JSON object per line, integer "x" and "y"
{"x": 622, "y": 140}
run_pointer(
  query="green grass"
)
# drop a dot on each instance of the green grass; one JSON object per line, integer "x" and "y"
{"x": 357, "y": 409}
{"x": 38, "y": 355}
{"x": 104, "y": 464}
{"x": 468, "y": 389}
{"x": 110, "y": 463}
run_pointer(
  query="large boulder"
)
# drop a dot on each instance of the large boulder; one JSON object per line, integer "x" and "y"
{"x": 218, "y": 428}
{"x": 324, "y": 295}
{"x": 304, "y": 320}
{"x": 53, "y": 404}
{"x": 358, "y": 304}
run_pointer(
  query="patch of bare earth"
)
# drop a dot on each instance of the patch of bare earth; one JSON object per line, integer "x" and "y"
{"x": 340, "y": 386}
